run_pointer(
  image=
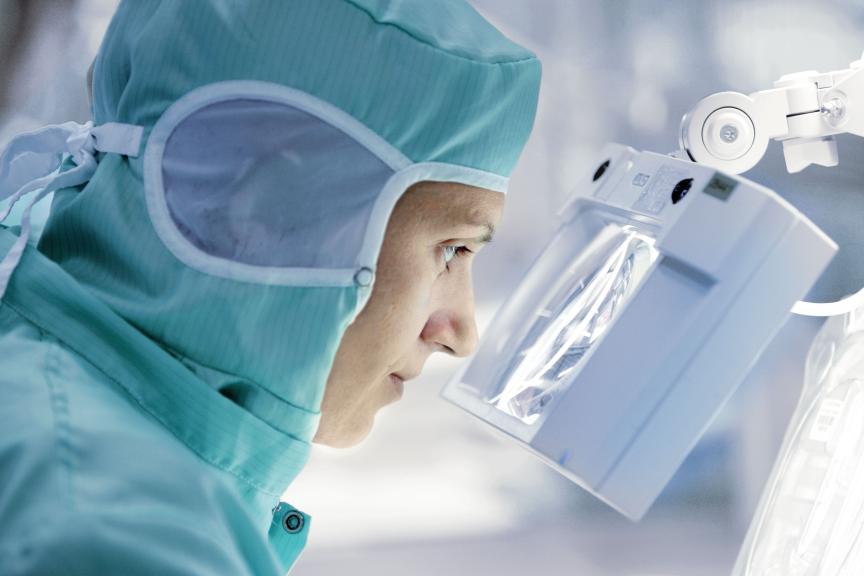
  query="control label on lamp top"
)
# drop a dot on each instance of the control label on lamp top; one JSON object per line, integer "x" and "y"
{"x": 656, "y": 195}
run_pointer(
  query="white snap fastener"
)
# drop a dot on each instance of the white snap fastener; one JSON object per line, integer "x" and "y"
{"x": 364, "y": 277}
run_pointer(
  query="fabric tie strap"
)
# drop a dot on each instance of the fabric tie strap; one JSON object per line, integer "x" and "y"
{"x": 31, "y": 162}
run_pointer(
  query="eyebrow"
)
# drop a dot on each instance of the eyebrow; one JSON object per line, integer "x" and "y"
{"x": 463, "y": 221}
{"x": 487, "y": 236}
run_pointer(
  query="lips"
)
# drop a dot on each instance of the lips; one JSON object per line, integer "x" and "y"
{"x": 398, "y": 380}
{"x": 398, "y": 383}
{"x": 405, "y": 377}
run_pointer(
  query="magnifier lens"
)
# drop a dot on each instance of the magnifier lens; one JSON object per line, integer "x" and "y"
{"x": 576, "y": 314}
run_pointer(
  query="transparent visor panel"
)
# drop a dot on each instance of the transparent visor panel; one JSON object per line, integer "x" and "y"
{"x": 267, "y": 184}
{"x": 583, "y": 300}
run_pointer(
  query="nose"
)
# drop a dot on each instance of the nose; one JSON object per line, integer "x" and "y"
{"x": 452, "y": 326}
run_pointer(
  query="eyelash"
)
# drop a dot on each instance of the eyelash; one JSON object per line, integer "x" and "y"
{"x": 458, "y": 251}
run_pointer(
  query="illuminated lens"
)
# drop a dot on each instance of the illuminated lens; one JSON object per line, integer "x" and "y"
{"x": 576, "y": 315}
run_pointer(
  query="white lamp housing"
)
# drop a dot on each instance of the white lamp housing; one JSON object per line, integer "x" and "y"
{"x": 661, "y": 288}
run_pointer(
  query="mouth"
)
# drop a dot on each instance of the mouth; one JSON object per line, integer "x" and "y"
{"x": 398, "y": 383}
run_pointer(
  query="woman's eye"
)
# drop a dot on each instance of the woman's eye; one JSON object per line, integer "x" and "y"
{"x": 451, "y": 252}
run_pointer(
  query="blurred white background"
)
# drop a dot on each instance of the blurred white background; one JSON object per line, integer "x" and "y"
{"x": 433, "y": 491}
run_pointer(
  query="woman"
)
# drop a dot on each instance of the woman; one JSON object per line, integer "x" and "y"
{"x": 268, "y": 231}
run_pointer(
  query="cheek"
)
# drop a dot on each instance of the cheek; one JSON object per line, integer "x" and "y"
{"x": 394, "y": 317}
{"x": 409, "y": 307}
{"x": 407, "y": 285}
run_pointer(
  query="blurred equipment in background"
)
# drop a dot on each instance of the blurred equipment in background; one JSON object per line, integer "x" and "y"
{"x": 811, "y": 519}
{"x": 640, "y": 318}
{"x": 32, "y": 33}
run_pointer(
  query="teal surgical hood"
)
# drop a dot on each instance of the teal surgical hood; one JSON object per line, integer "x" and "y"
{"x": 278, "y": 137}
{"x": 226, "y": 207}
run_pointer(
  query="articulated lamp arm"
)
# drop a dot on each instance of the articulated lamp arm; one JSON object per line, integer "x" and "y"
{"x": 805, "y": 110}
{"x": 731, "y": 131}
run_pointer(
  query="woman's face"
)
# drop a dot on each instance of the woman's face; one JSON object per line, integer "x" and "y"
{"x": 422, "y": 302}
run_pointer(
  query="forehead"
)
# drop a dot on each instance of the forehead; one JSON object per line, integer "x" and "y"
{"x": 449, "y": 204}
